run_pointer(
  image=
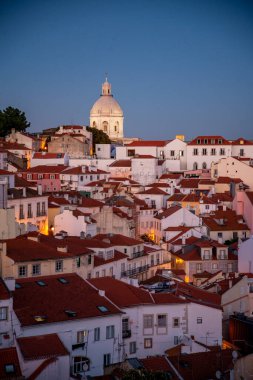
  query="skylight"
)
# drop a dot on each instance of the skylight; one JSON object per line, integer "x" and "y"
{"x": 63, "y": 280}
{"x": 103, "y": 309}
{"x": 9, "y": 368}
{"x": 17, "y": 285}
{"x": 41, "y": 283}
{"x": 40, "y": 318}
{"x": 70, "y": 313}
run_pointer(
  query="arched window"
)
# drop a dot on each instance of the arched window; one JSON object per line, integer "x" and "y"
{"x": 195, "y": 166}
{"x": 94, "y": 124}
{"x": 81, "y": 364}
{"x": 204, "y": 165}
{"x": 105, "y": 126}
{"x": 115, "y": 128}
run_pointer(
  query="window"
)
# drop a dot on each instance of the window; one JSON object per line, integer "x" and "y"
{"x": 220, "y": 141}
{"x": 21, "y": 212}
{"x": 29, "y": 210}
{"x": 109, "y": 332}
{"x": 213, "y": 152}
{"x": 206, "y": 254}
{"x": 36, "y": 269}
{"x": 195, "y": 166}
{"x": 40, "y": 176}
{"x": 222, "y": 152}
{"x": 220, "y": 235}
{"x": 43, "y": 211}
{"x": 102, "y": 308}
{"x": 125, "y": 325}
{"x": 172, "y": 153}
{"x": 148, "y": 343}
{"x": 204, "y": 165}
{"x": 81, "y": 364}
{"x": 235, "y": 235}
{"x": 176, "y": 322}
{"x": 207, "y": 207}
{"x": 176, "y": 340}
{"x": 198, "y": 141}
{"x": 199, "y": 321}
{"x": 241, "y": 152}
{"x": 38, "y": 209}
{"x": 52, "y": 176}
{"x": 204, "y": 152}
{"x": 97, "y": 275}
{"x": 132, "y": 348}
{"x": 59, "y": 266}
{"x": 22, "y": 271}
{"x": 181, "y": 153}
{"x": 148, "y": 321}
{"x": 162, "y": 320}
{"x": 109, "y": 254}
{"x": 195, "y": 151}
{"x": 96, "y": 334}
{"x": 107, "y": 359}
{"x": 214, "y": 266}
{"x": 90, "y": 259}
{"x": 222, "y": 254}
{"x": 29, "y": 176}
{"x": 80, "y": 336}
{"x": 3, "y": 313}
{"x": 198, "y": 267}
{"x": 78, "y": 262}
{"x": 213, "y": 141}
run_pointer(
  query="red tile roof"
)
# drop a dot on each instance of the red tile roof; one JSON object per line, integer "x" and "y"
{"x": 156, "y": 363}
{"x": 137, "y": 156}
{"x": 118, "y": 239}
{"x": 9, "y": 356}
{"x": 41, "y": 347}
{"x": 46, "y": 169}
{"x": 241, "y": 141}
{"x": 168, "y": 212}
{"x": 189, "y": 183}
{"x": 55, "y": 299}
{"x": 121, "y": 164}
{"x": 209, "y": 140}
{"x": 228, "y": 180}
{"x": 171, "y": 176}
{"x": 83, "y": 170}
{"x": 98, "y": 261}
{"x": 157, "y": 143}
{"x": 154, "y": 191}
{"x": 90, "y": 202}
{"x": 121, "y": 293}
{"x": 46, "y": 155}
{"x": 195, "y": 294}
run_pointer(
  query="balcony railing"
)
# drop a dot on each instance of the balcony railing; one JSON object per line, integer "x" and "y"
{"x": 135, "y": 271}
{"x": 78, "y": 345}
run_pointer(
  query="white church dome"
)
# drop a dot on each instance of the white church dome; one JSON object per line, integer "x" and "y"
{"x": 106, "y": 105}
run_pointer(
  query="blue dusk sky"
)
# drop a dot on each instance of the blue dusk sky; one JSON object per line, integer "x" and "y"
{"x": 176, "y": 67}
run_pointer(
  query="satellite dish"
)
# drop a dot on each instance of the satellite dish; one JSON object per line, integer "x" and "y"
{"x": 85, "y": 367}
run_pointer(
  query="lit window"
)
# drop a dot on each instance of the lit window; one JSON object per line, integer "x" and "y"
{"x": 148, "y": 343}
{"x": 80, "y": 336}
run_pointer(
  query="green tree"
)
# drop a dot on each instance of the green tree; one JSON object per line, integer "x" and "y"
{"x": 99, "y": 137}
{"x": 12, "y": 118}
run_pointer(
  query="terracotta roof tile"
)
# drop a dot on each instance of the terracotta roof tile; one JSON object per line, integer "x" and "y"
{"x": 158, "y": 143}
{"x": 121, "y": 164}
{"x": 9, "y": 356}
{"x": 53, "y": 301}
{"x": 118, "y": 239}
{"x": 41, "y": 347}
{"x": 168, "y": 212}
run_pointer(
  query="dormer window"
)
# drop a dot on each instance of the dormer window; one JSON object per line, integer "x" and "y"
{"x": 205, "y": 141}
{"x": 198, "y": 141}
{"x": 213, "y": 141}
{"x": 220, "y": 141}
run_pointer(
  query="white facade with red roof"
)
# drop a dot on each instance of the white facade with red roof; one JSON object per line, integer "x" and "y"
{"x": 75, "y": 223}
{"x": 86, "y": 321}
{"x": 243, "y": 205}
{"x": 175, "y": 155}
{"x": 203, "y": 150}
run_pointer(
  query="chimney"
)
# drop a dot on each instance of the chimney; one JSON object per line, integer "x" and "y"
{"x": 101, "y": 293}
{"x": 24, "y": 192}
{"x": 224, "y": 207}
{"x": 230, "y": 284}
{"x": 63, "y": 249}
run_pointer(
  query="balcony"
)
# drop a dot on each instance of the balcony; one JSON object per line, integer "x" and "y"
{"x": 126, "y": 334}
{"x": 138, "y": 254}
{"x": 78, "y": 345}
{"x": 135, "y": 271}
